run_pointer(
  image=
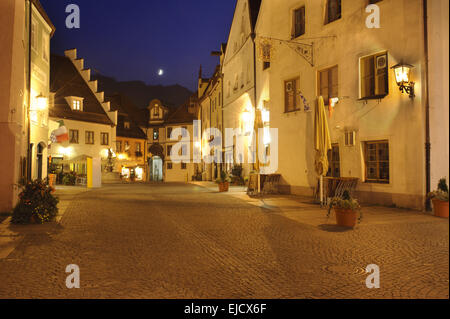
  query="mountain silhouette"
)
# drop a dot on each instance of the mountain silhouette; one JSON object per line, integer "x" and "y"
{"x": 141, "y": 94}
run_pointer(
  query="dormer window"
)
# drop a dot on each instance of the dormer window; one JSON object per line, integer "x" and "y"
{"x": 76, "y": 103}
{"x": 156, "y": 112}
{"x": 126, "y": 125}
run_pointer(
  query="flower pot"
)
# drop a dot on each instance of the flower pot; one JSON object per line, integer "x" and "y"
{"x": 440, "y": 208}
{"x": 345, "y": 217}
{"x": 223, "y": 187}
{"x": 51, "y": 180}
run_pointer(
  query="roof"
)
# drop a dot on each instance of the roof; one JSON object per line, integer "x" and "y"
{"x": 127, "y": 113}
{"x": 65, "y": 81}
{"x": 180, "y": 115}
{"x": 44, "y": 15}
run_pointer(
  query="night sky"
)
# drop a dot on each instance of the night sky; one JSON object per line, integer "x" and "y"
{"x": 132, "y": 40}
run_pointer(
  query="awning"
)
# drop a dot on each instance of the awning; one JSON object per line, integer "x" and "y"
{"x": 76, "y": 160}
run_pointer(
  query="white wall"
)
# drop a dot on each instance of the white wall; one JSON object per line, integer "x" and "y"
{"x": 439, "y": 101}
{"x": 395, "y": 118}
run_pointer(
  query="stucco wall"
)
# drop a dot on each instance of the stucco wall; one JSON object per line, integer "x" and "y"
{"x": 12, "y": 94}
{"x": 395, "y": 118}
{"x": 439, "y": 101}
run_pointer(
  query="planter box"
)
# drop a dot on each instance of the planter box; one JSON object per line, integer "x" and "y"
{"x": 223, "y": 187}
{"x": 346, "y": 217}
{"x": 440, "y": 208}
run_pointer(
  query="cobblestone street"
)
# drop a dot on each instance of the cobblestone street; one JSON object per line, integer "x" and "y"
{"x": 188, "y": 241}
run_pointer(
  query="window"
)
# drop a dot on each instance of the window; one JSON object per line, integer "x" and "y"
{"x": 169, "y": 132}
{"x": 333, "y": 11}
{"x": 155, "y": 134}
{"x": 118, "y": 146}
{"x": 377, "y": 161}
{"x": 89, "y": 137}
{"x": 76, "y": 105}
{"x": 266, "y": 65}
{"x": 126, "y": 125}
{"x": 184, "y": 131}
{"x": 104, "y": 137}
{"x": 169, "y": 165}
{"x": 184, "y": 150}
{"x": 169, "y": 149}
{"x": 156, "y": 112}
{"x": 45, "y": 47}
{"x": 34, "y": 39}
{"x": 328, "y": 83}
{"x": 334, "y": 168}
{"x": 73, "y": 136}
{"x": 374, "y": 76}
{"x": 138, "y": 147}
{"x": 299, "y": 22}
{"x": 292, "y": 102}
{"x": 183, "y": 165}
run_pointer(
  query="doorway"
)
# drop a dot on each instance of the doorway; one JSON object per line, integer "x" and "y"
{"x": 39, "y": 156}
{"x": 156, "y": 169}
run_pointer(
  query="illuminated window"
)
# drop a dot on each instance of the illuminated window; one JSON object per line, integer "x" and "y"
{"x": 76, "y": 105}
{"x": 126, "y": 125}
{"x": 155, "y": 134}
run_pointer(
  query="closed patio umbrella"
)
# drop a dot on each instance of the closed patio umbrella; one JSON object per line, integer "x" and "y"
{"x": 322, "y": 142}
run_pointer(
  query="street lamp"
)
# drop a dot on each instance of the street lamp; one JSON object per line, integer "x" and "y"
{"x": 42, "y": 102}
{"x": 403, "y": 77}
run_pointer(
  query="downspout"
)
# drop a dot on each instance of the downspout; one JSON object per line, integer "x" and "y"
{"x": 28, "y": 177}
{"x": 256, "y": 110}
{"x": 427, "y": 110}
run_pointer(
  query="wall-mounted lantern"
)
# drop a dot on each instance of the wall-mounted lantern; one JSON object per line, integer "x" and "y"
{"x": 42, "y": 102}
{"x": 403, "y": 77}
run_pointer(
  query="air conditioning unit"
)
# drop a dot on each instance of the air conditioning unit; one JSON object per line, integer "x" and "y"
{"x": 289, "y": 86}
{"x": 350, "y": 138}
{"x": 381, "y": 62}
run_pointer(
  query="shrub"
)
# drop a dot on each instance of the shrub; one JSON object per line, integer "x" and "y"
{"x": 36, "y": 204}
{"x": 69, "y": 179}
{"x": 223, "y": 178}
{"x": 346, "y": 202}
{"x": 442, "y": 191}
{"x": 237, "y": 170}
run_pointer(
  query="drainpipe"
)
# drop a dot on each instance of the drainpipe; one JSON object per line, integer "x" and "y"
{"x": 256, "y": 110}
{"x": 28, "y": 177}
{"x": 427, "y": 108}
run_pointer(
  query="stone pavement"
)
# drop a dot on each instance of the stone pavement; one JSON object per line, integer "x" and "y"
{"x": 189, "y": 241}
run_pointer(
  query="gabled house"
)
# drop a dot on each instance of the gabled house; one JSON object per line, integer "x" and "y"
{"x": 131, "y": 141}
{"x": 238, "y": 70}
{"x": 159, "y": 124}
{"x": 25, "y": 36}
{"x": 77, "y": 105}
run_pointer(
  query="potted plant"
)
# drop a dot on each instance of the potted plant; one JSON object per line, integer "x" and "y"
{"x": 346, "y": 209}
{"x": 439, "y": 198}
{"x": 224, "y": 182}
{"x": 36, "y": 204}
